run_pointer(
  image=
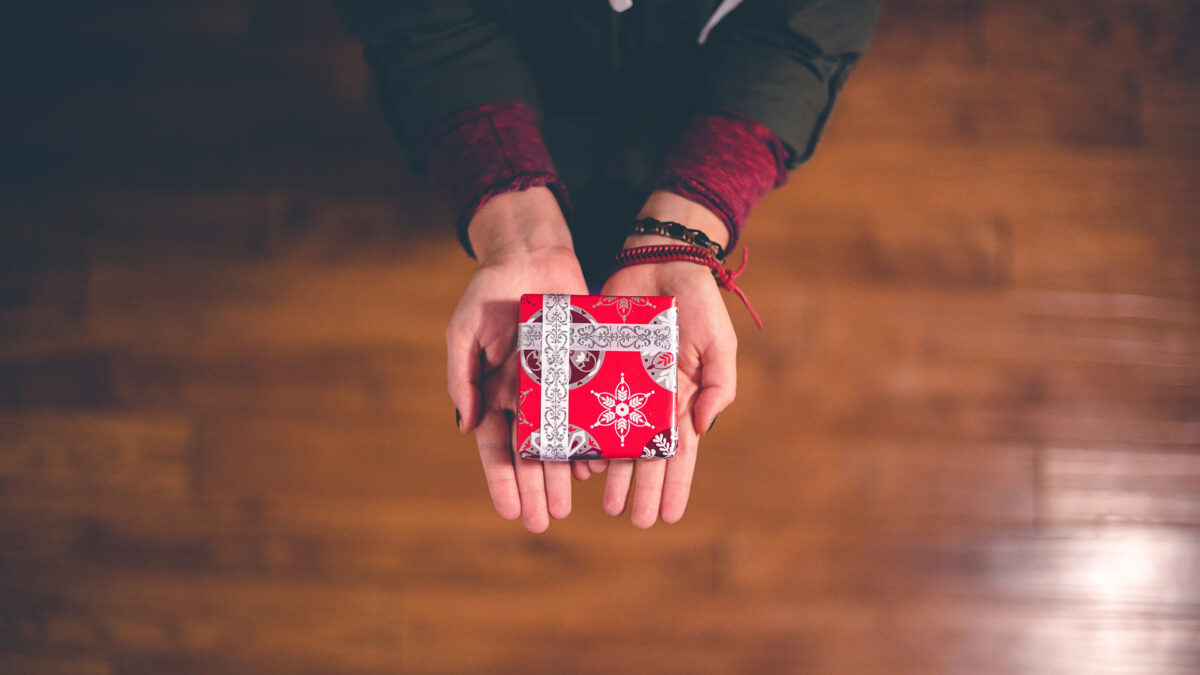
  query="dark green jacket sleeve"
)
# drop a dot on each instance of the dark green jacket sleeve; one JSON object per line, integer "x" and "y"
{"x": 433, "y": 58}
{"x": 783, "y": 62}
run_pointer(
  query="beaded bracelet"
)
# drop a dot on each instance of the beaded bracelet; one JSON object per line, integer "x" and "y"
{"x": 680, "y": 232}
{"x": 725, "y": 279}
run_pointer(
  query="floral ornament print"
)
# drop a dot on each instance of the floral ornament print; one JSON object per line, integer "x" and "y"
{"x": 520, "y": 405}
{"x": 662, "y": 445}
{"x": 623, "y": 303}
{"x": 622, "y": 409}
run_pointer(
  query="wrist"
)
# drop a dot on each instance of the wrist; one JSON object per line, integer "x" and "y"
{"x": 668, "y": 206}
{"x": 665, "y": 261}
{"x": 520, "y": 223}
{"x": 666, "y": 264}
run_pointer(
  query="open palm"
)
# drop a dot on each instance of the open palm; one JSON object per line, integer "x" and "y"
{"x": 707, "y": 384}
{"x": 482, "y": 379}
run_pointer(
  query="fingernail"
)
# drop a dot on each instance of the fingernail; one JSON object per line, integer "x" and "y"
{"x": 711, "y": 424}
{"x": 458, "y": 419}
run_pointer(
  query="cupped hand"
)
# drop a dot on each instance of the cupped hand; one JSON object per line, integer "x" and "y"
{"x": 523, "y": 246}
{"x": 707, "y": 380}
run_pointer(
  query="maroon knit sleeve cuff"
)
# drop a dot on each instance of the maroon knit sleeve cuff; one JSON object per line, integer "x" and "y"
{"x": 727, "y": 162}
{"x": 487, "y": 151}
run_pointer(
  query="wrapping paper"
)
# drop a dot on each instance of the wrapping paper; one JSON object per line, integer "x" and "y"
{"x": 598, "y": 377}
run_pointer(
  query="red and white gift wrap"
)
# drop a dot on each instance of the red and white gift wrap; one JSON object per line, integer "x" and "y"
{"x": 598, "y": 377}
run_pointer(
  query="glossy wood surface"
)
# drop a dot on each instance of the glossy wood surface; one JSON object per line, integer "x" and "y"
{"x": 967, "y": 442}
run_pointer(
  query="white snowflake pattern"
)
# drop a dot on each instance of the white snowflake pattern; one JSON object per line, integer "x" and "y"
{"x": 622, "y": 409}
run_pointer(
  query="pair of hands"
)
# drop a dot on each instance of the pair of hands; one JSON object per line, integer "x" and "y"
{"x": 523, "y": 245}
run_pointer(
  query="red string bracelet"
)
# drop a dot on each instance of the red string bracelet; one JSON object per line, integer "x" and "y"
{"x": 644, "y": 255}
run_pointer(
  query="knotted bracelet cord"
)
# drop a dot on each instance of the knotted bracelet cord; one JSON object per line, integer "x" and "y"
{"x": 726, "y": 279}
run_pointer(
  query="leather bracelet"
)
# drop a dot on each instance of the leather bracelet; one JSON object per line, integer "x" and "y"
{"x": 679, "y": 232}
{"x": 726, "y": 279}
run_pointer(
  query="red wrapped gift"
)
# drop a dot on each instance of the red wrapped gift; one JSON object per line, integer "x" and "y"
{"x": 597, "y": 377}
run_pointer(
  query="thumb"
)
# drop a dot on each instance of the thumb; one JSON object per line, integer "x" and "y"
{"x": 718, "y": 383}
{"x": 463, "y": 374}
{"x": 710, "y": 402}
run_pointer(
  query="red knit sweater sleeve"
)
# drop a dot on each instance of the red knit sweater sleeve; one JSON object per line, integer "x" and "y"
{"x": 727, "y": 162}
{"x": 487, "y": 151}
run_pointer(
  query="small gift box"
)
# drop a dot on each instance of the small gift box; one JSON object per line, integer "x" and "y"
{"x": 597, "y": 377}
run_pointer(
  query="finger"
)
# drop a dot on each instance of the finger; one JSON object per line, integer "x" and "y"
{"x": 558, "y": 488}
{"x": 597, "y": 465}
{"x": 678, "y": 483}
{"x": 616, "y": 489}
{"x": 718, "y": 382}
{"x": 463, "y": 374}
{"x": 647, "y": 492}
{"x": 532, "y": 486}
{"x": 581, "y": 470}
{"x": 492, "y": 437}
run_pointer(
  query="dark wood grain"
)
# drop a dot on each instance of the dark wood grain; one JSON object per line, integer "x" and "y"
{"x": 968, "y": 440}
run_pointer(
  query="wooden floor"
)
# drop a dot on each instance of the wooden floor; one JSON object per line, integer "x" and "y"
{"x": 967, "y": 442}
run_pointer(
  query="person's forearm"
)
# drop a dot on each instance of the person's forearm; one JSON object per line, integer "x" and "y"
{"x": 516, "y": 223}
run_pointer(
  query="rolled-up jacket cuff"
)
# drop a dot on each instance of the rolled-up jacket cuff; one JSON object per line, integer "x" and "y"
{"x": 726, "y": 162}
{"x": 487, "y": 151}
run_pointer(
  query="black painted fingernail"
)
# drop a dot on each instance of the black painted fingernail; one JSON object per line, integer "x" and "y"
{"x": 458, "y": 419}
{"x": 711, "y": 424}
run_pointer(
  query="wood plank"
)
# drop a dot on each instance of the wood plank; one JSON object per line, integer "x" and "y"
{"x": 44, "y": 374}
{"x": 1022, "y": 181}
{"x": 85, "y": 451}
{"x": 327, "y": 456}
{"x": 948, "y": 101}
{"x": 344, "y": 626}
{"x": 356, "y": 382}
{"x": 976, "y": 248}
{"x": 857, "y": 477}
{"x": 1142, "y": 568}
{"x": 963, "y": 250}
{"x": 230, "y": 309}
{"x": 1109, "y": 35}
{"x": 44, "y": 290}
{"x": 1120, "y": 262}
{"x": 1013, "y": 367}
{"x": 42, "y": 294}
{"x": 23, "y": 664}
{"x": 1170, "y": 110}
{"x": 141, "y": 661}
{"x": 725, "y": 633}
{"x": 1087, "y": 484}
{"x": 949, "y": 30}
